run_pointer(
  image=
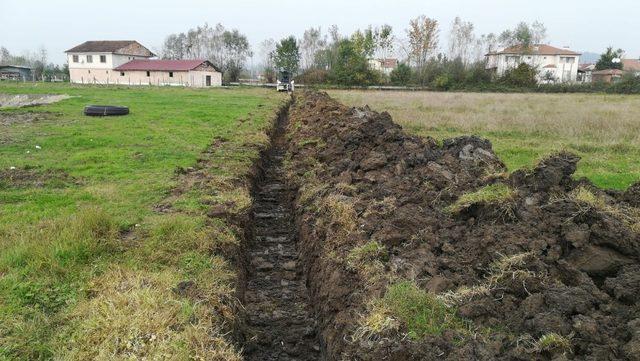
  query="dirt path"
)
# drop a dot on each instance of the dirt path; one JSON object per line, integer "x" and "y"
{"x": 280, "y": 319}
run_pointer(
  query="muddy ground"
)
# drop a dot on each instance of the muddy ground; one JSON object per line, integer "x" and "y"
{"x": 29, "y": 100}
{"x": 548, "y": 270}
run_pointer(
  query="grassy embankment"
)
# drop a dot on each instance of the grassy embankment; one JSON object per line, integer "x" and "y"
{"x": 603, "y": 129}
{"x": 88, "y": 268}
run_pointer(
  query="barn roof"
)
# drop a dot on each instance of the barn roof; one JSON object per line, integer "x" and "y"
{"x": 108, "y": 46}
{"x": 163, "y": 65}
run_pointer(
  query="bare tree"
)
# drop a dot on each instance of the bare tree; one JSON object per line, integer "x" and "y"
{"x": 462, "y": 41}
{"x": 385, "y": 40}
{"x": 312, "y": 42}
{"x": 423, "y": 39}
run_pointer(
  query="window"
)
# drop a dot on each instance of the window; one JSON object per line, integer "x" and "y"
{"x": 89, "y": 71}
{"x": 76, "y": 59}
{"x": 170, "y": 74}
{"x": 148, "y": 73}
{"x": 122, "y": 73}
{"x": 89, "y": 58}
{"x": 103, "y": 58}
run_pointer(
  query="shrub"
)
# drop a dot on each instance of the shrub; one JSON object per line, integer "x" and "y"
{"x": 523, "y": 75}
{"x": 401, "y": 75}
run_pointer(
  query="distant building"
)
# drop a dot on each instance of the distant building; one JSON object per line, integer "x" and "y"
{"x": 631, "y": 66}
{"x": 585, "y": 72}
{"x": 553, "y": 64}
{"x": 92, "y": 62}
{"x": 194, "y": 73}
{"x": 385, "y": 66}
{"x": 607, "y": 75}
{"x": 15, "y": 72}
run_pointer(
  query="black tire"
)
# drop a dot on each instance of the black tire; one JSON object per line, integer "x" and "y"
{"x": 105, "y": 110}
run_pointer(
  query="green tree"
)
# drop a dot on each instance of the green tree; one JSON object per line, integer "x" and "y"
{"x": 606, "y": 60}
{"x": 287, "y": 56}
{"x": 351, "y": 66}
{"x": 401, "y": 75}
{"x": 522, "y": 76}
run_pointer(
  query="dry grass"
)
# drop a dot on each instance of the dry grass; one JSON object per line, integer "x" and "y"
{"x": 603, "y": 129}
{"x": 588, "y": 200}
{"x": 499, "y": 195}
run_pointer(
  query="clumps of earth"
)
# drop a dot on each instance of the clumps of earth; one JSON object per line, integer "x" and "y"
{"x": 419, "y": 250}
{"x": 29, "y": 100}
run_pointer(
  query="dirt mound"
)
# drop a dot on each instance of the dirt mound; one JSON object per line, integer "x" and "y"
{"x": 416, "y": 250}
{"x": 29, "y": 100}
{"x": 36, "y": 178}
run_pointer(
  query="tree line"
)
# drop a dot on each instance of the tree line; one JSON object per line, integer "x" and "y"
{"x": 41, "y": 68}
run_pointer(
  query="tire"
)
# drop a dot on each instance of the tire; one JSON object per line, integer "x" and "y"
{"x": 105, "y": 110}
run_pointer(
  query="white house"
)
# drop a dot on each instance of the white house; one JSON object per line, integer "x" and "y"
{"x": 127, "y": 62}
{"x": 553, "y": 64}
{"x": 385, "y": 66}
{"x": 93, "y": 62}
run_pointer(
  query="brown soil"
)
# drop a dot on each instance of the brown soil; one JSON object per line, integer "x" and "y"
{"x": 36, "y": 178}
{"x": 280, "y": 323}
{"x": 581, "y": 279}
{"x": 9, "y": 118}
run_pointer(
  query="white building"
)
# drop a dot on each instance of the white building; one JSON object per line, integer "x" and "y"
{"x": 94, "y": 61}
{"x": 553, "y": 64}
{"x": 127, "y": 62}
{"x": 385, "y": 66}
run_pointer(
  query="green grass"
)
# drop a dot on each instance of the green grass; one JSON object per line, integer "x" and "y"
{"x": 496, "y": 194}
{"x": 602, "y": 129}
{"x": 69, "y": 275}
{"x": 420, "y": 312}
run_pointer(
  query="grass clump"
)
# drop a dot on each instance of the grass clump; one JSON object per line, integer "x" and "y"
{"x": 588, "y": 200}
{"x": 495, "y": 194}
{"x": 421, "y": 313}
{"x": 553, "y": 342}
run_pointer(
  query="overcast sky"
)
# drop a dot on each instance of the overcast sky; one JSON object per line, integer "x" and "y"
{"x": 586, "y": 25}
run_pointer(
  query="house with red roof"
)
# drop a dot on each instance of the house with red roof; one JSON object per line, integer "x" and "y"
{"x": 127, "y": 62}
{"x": 553, "y": 64}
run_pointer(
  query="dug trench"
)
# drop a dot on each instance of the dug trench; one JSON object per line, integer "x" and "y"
{"x": 405, "y": 248}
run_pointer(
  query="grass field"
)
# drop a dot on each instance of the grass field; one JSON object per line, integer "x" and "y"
{"x": 603, "y": 129}
{"x": 88, "y": 268}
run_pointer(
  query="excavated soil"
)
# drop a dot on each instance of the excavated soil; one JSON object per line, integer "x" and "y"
{"x": 361, "y": 179}
{"x": 29, "y": 100}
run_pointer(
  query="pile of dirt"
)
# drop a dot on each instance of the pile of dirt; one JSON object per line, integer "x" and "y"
{"x": 33, "y": 177}
{"x": 534, "y": 264}
{"x": 29, "y": 100}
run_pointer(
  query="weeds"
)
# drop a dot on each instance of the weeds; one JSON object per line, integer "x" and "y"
{"x": 553, "y": 342}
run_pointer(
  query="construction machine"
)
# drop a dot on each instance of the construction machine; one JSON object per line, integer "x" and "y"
{"x": 284, "y": 81}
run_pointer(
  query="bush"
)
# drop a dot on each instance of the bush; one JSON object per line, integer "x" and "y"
{"x": 313, "y": 76}
{"x": 523, "y": 75}
{"x": 401, "y": 75}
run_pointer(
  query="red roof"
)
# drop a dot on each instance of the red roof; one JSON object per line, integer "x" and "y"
{"x": 162, "y": 65}
{"x": 538, "y": 49}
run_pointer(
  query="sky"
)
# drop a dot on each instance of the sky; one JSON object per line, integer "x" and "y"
{"x": 586, "y": 25}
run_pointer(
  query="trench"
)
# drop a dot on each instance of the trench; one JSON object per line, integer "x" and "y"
{"x": 279, "y": 318}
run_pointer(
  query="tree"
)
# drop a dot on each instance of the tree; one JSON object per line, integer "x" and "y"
{"x": 401, "y": 75}
{"x": 364, "y": 41}
{"x": 523, "y": 75}
{"x": 351, "y": 66}
{"x": 461, "y": 40}
{"x": 287, "y": 56}
{"x": 423, "y": 39}
{"x": 312, "y": 42}
{"x": 524, "y": 35}
{"x": 606, "y": 60}
{"x": 226, "y": 49}
{"x": 267, "y": 51}
{"x": 385, "y": 40}
{"x": 237, "y": 50}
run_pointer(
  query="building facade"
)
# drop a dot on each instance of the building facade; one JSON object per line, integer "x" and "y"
{"x": 384, "y": 66}
{"x": 93, "y": 62}
{"x": 14, "y": 72}
{"x": 192, "y": 73}
{"x": 552, "y": 64}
